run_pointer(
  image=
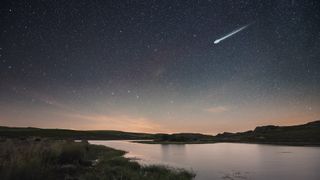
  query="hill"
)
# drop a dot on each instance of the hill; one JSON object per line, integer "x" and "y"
{"x": 19, "y": 132}
{"x": 305, "y": 134}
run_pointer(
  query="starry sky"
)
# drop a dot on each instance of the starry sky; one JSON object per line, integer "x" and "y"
{"x": 153, "y": 66}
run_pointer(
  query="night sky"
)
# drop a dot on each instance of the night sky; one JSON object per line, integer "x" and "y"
{"x": 153, "y": 66}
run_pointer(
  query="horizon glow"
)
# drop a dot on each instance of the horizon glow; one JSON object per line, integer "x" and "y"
{"x": 151, "y": 67}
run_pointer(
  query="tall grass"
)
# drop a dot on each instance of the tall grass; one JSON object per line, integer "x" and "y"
{"x": 36, "y": 159}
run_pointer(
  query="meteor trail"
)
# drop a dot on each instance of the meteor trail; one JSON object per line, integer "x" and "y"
{"x": 231, "y": 34}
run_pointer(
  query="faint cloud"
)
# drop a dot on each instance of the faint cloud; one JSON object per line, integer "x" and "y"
{"x": 159, "y": 72}
{"x": 217, "y": 109}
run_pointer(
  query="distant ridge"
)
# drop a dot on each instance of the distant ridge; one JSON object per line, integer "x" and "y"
{"x": 305, "y": 134}
{"x": 24, "y": 132}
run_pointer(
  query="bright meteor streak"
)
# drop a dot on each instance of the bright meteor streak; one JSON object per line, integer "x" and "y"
{"x": 231, "y": 34}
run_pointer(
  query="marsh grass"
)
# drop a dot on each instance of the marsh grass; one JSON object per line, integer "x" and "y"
{"x": 35, "y": 159}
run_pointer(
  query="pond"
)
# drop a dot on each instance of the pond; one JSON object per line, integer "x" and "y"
{"x": 229, "y": 161}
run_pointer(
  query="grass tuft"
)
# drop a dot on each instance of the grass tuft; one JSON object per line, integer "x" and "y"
{"x": 31, "y": 159}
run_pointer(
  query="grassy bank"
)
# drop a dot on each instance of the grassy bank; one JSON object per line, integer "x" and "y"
{"x": 59, "y": 159}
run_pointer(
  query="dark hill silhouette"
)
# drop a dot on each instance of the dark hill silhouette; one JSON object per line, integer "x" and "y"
{"x": 305, "y": 134}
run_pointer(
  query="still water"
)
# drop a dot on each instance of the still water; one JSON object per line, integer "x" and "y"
{"x": 229, "y": 161}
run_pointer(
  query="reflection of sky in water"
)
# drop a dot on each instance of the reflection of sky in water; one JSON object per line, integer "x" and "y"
{"x": 229, "y": 160}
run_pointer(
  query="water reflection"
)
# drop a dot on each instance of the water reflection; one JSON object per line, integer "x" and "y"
{"x": 178, "y": 153}
{"x": 230, "y": 160}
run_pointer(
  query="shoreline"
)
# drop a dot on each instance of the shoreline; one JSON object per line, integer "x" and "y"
{"x": 299, "y": 144}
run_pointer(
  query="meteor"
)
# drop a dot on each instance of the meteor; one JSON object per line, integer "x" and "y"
{"x": 231, "y": 34}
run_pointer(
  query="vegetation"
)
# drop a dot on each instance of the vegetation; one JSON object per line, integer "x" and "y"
{"x": 180, "y": 138}
{"x": 38, "y": 159}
